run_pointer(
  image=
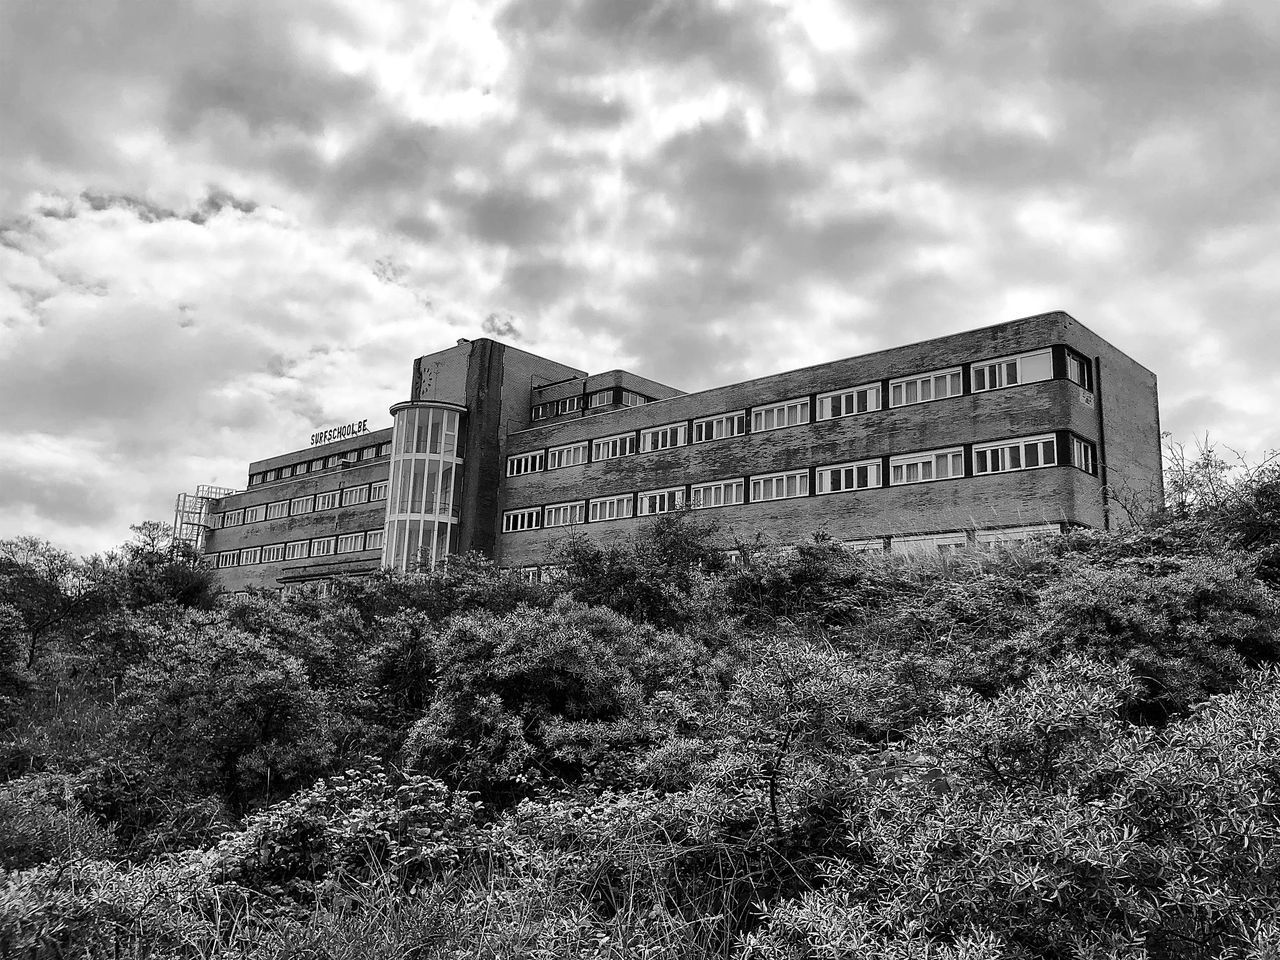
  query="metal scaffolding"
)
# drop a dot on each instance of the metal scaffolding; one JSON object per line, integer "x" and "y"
{"x": 191, "y": 514}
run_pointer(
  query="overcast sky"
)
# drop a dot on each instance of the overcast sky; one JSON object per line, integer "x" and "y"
{"x": 225, "y": 224}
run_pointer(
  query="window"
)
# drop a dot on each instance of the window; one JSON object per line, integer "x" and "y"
{"x": 789, "y": 413}
{"x": 600, "y": 398}
{"x": 384, "y": 449}
{"x": 378, "y": 491}
{"x": 569, "y": 404}
{"x": 1083, "y": 455}
{"x": 326, "y": 501}
{"x": 722, "y": 494}
{"x": 541, "y": 411}
{"x": 841, "y": 477}
{"x": 251, "y": 555}
{"x": 568, "y": 456}
{"x": 564, "y": 514}
{"x": 252, "y": 514}
{"x": 930, "y": 543}
{"x": 843, "y": 403}
{"x": 233, "y": 519}
{"x": 298, "y": 550}
{"x": 228, "y": 559}
{"x": 270, "y": 475}
{"x": 317, "y": 465}
{"x": 922, "y": 467}
{"x": 715, "y": 428}
{"x": 278, "y": 509}
{"x": 351, "y": 543}
{"x": 354, "y": 495}
{"x": 1024, "y": 368}
{"x": 932, "y": 386}
{"x": 256, "y": 478}
{"x": 273, "y": 553}
{"x": 322, "y": 548}
{"x": 367, "y": 453}
{"x": 663, "y": 437}
{"x": 780, "y": 486}
{"x": 1025, "y": 454}
{"x": 524, "y": 463}
{"x": 373, "y": 540}
{"x": 332, "y": 460}
{"x": 300, "y": 468}
{"x": 611, "y": 447}
{"x": 301, "y": 505}
{"x": 660, "y": 501}
{"x": 1079, "y": 370}
{"x": 516, "y": 520}
{"x": 613, "y": 508}
{"x": 631, "y": 399}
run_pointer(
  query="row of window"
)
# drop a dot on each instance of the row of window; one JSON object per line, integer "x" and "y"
{"x": 312, "y": 503}
{"x": 593, "y": 401}
{"x": 302, "y": 549}
{"x": 1024, "y": 453}
{"x": 320, "y": 463}
{"x": 905, "y": 391}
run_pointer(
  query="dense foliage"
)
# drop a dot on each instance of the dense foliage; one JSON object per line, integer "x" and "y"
{"x": 1070, "y": 749}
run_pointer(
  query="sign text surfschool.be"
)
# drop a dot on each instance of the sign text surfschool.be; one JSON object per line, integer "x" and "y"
{"x": 340, "y": 433}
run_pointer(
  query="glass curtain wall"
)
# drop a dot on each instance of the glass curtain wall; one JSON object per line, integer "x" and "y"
{"x": 424, "y": 498}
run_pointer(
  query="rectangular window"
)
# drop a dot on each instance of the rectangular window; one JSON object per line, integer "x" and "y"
{"x": 923, "y": 467}
{"x": 326, "y": 501}
{"x": 273, "y": 553}
{"x": 716, "y": 428}
{"x": 569, "y": 405}
{"x": 516, "y": 520}
{"x": 270, "y": 475}
{"x": 524, "y": 463}
{"x": 229, "y": 559}
{"x": 661, "y": 438}
{"x": 300, "y": 468}
{"x": 780, "y": 486}
{"x": 367, "y": 453}
{"x": 541, "y": 411}
{"x": 841, "y": 477}
{"x": 844, "y": 403}
{"x": 353, "y": 495}
{"x": 251, "y": 555}
{"x": 725, "y": 493}
{"x": 378, "y": 491}
{"x": 384, "y": 449}
{"x": 1079, "y": 370}
{"x": 298, "y": 550}
{"x": 932, "y": 543}
{"x": 1009, "y": 371}
{"x": 1084, "y": 455}
{"x": 932, "y": 386}
{"x": 351, "y": 543}
{"x": 255, "y": 479}
{"x": 612, "y": 508}
{"x": 373, "y": 540}
{"x": 301, "y": 505}
{"x": 1023, "y": 454}
{"x": 611, "y": 447}
{"x": 601, "y": 398}
{"x": 233, "y": 519}
{"x": 564, "y": 514}
{"x": 660, "y": 501}
{"x": 317, "y": 465}
{"x": 252, "y": 514}
{"x": 322, "y": 547}
{"x": 789, "y": 413}
{"x": 567, "y": 456}
{"x": 632, "y": 399}
{"x": 278, "y": 509}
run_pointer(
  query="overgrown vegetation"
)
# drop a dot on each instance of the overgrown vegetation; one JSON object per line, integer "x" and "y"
{"x": 1070, "y": 749}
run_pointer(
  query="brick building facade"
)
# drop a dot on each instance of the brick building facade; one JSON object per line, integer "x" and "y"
{"x": 993, "y": 434}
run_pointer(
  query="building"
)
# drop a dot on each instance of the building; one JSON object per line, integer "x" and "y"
{"x": 1022, "y": 428}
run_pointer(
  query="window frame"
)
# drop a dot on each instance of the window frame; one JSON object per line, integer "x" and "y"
{"x": 309, "y": 505}
{"x": 331, "y": 499}
{"x": 276, "y": 550}
{"x": 592, "y": 506}
{"x": 697, "y": 493}
{"x": 569, "y": 509}
{"x": 823, "y": 478}
{"x": 931, "y": 458}
{"x": 379, "y": 490}
{"x": 825, "y": 401}
{"x": 277, "y": 510}
{"x": 758, "y": 484}
{"x": 952, "y": 375}
{"x": 358, "y": 495}
{"x": 737, "y": 420}
{"x": 380, "y": 533}
{"x": 511, "y": 519}
{"x": 673, "y": 494}
{"x": 623, "y": 439}
{"x": 350, "y": 538}
{"x": 323, "y": 546}
{"x": 982, "y": 453}
{"x": 519, "y": 464}
{"x": 1082, "y": 449}
{"x": 982, "y": 370}
{"x": 250, "y": 556}
{"x": 681, "y": 433}
{"x": 304, "y": 553}
{"x": 759, "y": 414}
{"x": 557, "y": 453}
